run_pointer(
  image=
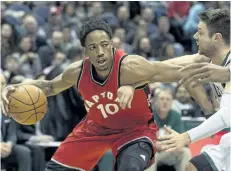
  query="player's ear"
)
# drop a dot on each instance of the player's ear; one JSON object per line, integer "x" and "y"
{"x": 217, "y": 37}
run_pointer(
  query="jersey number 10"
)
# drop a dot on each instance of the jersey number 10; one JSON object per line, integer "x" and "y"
{"x": 108, "y": 109}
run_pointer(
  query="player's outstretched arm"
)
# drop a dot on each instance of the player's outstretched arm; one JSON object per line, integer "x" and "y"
{"x": 188, "y": 59}
{"x": 60, "y": 83}
{"x": 135, "y": 69}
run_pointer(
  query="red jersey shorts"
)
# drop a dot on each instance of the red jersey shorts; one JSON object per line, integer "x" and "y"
{"x": 87, "y": 143}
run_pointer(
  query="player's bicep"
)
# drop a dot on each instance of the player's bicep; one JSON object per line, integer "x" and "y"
{"x": 135, "y": 69}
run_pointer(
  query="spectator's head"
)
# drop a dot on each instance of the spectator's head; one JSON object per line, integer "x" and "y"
{"x": 75, "y": 53}
{"x": 95, "y": 36}
{"x": 6, "y": 31}
{"x": 213, "y": 31}
{"x": 116, "y": 42}
{"x": 164, "y": 99}
{"x": 66, "y": 34}
{"x": 120, "y": 33}
{"x": 148, "y": 15}
{"x": 59, "y": 58}
{"x": 123, "y": 13}
{"x": 30, "y": 24}
{"x": 182, "y": 95}
{"x": 25, "y": 44}
{"x": 143, "y": 25}
{"x": 57, "y": 38}
{"x": 12, "y": 63}
{"x": 169, "y": 51}
{"x": 163, "y": 24}
{"x": 144, "y": 45}
{"x": 3, "y": 81}
{"x": 69, "y": 9}
{"x": 96, "y": 9}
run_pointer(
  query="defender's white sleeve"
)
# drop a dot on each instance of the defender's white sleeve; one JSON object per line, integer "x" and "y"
{"x": 214, "y": 124}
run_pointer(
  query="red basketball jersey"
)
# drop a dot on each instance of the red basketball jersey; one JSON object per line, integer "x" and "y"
{"x": 101, "y": 102}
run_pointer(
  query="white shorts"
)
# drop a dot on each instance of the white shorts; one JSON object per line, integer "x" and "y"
{"x": 219, "y": 155}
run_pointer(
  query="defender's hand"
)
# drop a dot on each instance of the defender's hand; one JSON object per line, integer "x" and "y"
{"x": 125, "y": 95}
{"x": 204, "y": 73}
{"x": 173, "y": 141}
{"x": 5, "y": 101}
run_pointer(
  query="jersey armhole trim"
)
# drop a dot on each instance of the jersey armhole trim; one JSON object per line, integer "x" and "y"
{"x": 120, "y": 62}
{"x": 80, "y": 74}
{"x": 142, "y": 86}
{"x": 226, "y": 60}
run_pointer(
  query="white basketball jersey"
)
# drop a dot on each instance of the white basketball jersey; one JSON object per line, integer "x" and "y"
{"x": 218, "y": 88}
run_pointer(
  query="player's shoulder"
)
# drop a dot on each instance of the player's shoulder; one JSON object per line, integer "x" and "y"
{"x": 130, "y": 60}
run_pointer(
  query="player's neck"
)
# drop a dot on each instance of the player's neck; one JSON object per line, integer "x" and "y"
{"x": 220, "y": 54}
{"x": 102, "y": 75}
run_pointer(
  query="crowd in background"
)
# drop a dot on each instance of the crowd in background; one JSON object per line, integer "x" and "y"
{"x": 39, "y": 39}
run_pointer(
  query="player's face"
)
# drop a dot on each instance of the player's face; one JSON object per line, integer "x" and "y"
{"x": 204, "y": 40}
{"x": 98, "y": 47}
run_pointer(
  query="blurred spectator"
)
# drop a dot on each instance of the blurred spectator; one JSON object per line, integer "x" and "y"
{"x": 141, "y": 32}
{"x": 75, "y": 54}
{"x": 162, "y": 37}
{"x": 117, "y": 43}
{"x": 165, "y": 116}
{"x": 11, "y": 66}
{"x": 30, "y": 63}
{"x": 183, "y": 103}
{"x": 69, "y": 16}
{"x": 30, "y": 28}
{"x": 60, "y": 60}
{"x": 55, "y": 21}
{"x": 47, "y": 52}
{"x": 144, "y": 48}
{"x": 123, "y": 19}
{"x": 168, "y": 51}
{"x": 177, "y": 13}
{"x": 12, "y": 154}
{"x": 8, "y": 41}
{"x": 120, "y": 33}
{"x": 148, "y": 15}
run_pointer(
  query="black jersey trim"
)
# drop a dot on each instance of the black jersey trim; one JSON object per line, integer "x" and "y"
{"x": 226, "y": 61}
{"x": 120, "y": 62}
{"x": 80, "y": 74}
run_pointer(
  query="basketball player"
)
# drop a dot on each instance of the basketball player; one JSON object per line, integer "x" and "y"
{"x": 213, "y": 39}
{"x": 129, "y": 132}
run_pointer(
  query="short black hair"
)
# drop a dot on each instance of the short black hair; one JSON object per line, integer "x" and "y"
{"x": 218, "y": 21}
{"x": 92, "y": 25}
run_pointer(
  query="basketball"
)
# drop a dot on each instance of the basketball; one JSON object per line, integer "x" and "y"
{"x": 27, "y": 104}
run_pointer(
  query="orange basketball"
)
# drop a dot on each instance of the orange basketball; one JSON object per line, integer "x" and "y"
{"x": 27, "y": 104}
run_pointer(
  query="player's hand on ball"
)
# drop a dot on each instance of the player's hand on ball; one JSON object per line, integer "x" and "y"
{"x": 172, "y": 141}
{"x": 5, "y": 101}
{"x": 125, "y": 95}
